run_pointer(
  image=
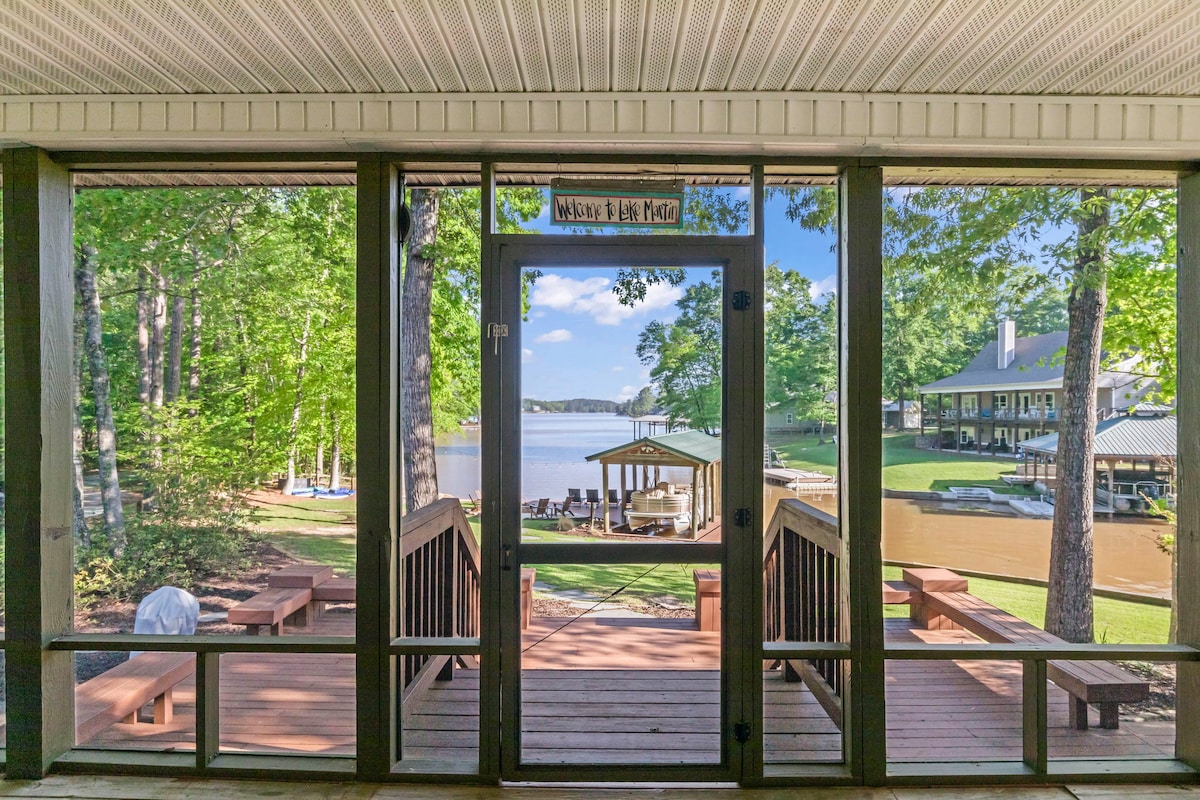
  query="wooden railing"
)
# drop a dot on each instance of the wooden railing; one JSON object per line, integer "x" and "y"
{"x": 804, "y": 595}
{"x": 439, "y": 586}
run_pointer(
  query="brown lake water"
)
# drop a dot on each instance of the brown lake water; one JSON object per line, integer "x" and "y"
{"x": 973, "y": 537}
{"x": 981, "y": 538}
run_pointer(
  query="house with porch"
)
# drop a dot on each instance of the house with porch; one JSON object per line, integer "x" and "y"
{"x": 1011, "y": 391}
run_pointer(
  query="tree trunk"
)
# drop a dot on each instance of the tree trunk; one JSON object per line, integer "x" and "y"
{"x": 79, "y": 526}
{"x": 158, "y": 331}
{"x": 335, "y": 452}
{"x": 416, "y": 404}
{"x": 175, "y": 348}
{"x": 1069, "y": 598}
{"x": 900, "y": 404}
{"x": 143, "y": 341}
{"x": 106, "y": 431}
{"x": 294, "y": 430}
{"x": 194, "y": 343}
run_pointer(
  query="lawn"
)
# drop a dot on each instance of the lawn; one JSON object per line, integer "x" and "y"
{"x": 322, "y": 531}
{"x": 906, "y": 467}
{"x": 1116, "y": 621}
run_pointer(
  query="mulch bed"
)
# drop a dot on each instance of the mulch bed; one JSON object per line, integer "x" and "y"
{"x": 217, "y": 593}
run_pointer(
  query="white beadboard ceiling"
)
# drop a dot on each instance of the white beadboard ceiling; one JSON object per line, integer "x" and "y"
{"x": 969, "y": 47}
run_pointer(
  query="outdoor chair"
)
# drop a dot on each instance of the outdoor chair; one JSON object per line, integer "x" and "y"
{"x": 538, "y": 510}
{"x": 593, "y": 496}
{"x": 612, "y": 497}
{"x": 628, "y": 498}
{"x": 565, "y": 508}
{"x": 575, "y": 496}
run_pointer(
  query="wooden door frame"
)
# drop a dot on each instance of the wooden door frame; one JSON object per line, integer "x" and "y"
{"x": 505, "y": 256}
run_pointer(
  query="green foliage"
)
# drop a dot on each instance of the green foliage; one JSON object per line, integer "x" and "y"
{"x": 684, "y": 357}
{"x": 639, "y": 405}
{"x": 801, "y": 346}
{"x": 199, "y": 522}
{"x": 577, "y": 405}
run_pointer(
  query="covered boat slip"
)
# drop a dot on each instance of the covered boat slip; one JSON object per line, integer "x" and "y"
{"x": 691, "y": 508}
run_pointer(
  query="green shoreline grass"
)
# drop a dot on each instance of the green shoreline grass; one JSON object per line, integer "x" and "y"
{"x": 1116, "y": 621}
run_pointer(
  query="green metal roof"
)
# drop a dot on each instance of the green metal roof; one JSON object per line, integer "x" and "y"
{"x": 695, "y": 446}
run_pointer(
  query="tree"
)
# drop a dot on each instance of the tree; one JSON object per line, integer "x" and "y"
{"x": 685, "y": 358}
{"x": 420, "y": 468}
{"x": 106, "y": 431}
{"x": 1069, "y": 596}
{"x": 801, "y": 346}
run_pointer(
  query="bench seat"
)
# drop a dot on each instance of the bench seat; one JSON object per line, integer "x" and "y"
{"x": 299, "y": 576}
{"x": 335, "y": 590}
{"x": 1098, "y": 683}
{"x": 271, "y": 608}
{"x": 117, "y": 694}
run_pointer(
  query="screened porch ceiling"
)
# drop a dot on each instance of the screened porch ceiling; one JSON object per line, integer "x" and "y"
{"x": 515, "y": 76}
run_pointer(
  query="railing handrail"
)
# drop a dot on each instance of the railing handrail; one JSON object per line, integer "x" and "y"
{"x": 422, "y": 526}
{"x": 819, "y": 527}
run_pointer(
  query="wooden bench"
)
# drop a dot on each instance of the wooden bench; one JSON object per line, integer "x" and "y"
{"x": 271, "y": 608}
{"x": 299, "y": 576}
{"x": 334, "y": 590}
{"x": 708, "y": 598}
{"x": 1098, "y": 683}
{"x": 117, "y": 695}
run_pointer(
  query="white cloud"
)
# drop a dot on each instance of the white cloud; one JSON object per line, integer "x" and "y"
{"x": 526, "y": 355}
{"x": 626, "y": 394}
{"x": 594, "y": 297}
{"x": 618, "y": 368}
{"x": 564, "y": 294}
{"x": 827, "y": 285}
{"x": 556, "y": 335}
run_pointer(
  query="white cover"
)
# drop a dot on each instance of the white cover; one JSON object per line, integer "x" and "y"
{"x": 167, "y": 610}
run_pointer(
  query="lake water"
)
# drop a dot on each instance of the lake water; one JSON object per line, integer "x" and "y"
{"x": 983, "y": 540}
{"x": 553, "y": 449}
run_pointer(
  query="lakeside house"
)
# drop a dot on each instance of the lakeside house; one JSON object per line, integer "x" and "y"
{"x": 1010, "y": 392}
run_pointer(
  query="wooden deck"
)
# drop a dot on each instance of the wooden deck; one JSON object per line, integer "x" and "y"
{"x": 633, "y": 690}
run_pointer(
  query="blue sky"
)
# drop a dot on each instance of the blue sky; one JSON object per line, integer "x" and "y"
{"x": 580, "y": 342}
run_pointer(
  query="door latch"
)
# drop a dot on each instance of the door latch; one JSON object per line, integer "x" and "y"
{"x": 496, "y": 331}
{"x": 506, "y": 558}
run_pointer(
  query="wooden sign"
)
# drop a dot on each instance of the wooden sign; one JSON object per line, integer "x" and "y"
{"x": 578, "y": 207}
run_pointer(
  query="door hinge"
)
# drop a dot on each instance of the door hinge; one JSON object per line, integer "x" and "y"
{"x": 741, "y": 301}
{"x": 741, "y": 732}
{"x": 742, "y": 517}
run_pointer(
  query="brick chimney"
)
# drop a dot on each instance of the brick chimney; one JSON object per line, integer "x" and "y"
{"x": 1006, "y": 343}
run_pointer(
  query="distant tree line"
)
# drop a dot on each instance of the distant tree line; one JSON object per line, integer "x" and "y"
{"x": 578, "y": 405}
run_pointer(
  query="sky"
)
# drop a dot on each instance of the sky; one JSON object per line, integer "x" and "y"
{"x": 580, "y": 342}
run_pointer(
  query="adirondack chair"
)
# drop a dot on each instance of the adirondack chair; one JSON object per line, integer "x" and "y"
{"x": 540, "y": 509}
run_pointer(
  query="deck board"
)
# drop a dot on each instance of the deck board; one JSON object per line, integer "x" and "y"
{"x": 605, "y": 690}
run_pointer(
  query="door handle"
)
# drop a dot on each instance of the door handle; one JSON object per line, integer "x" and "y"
{"x": 506, "y": 558}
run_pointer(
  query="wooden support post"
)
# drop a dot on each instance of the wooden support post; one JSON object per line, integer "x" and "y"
{"x": 1187, "y": 533}
{"x": 39, "y": 396}
{"x": 860, "y": 347}
{"x": 1033, "y": 716}
{"x": 208, "y": 707}
{"x": 380, "y": 193}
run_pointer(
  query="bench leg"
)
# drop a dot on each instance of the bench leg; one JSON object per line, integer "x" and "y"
{"x": 252, "y": 630}
{"x": 131, "y": 719}
{"x": 164, "y": 708}
{"x": 300, "y": 618}
{"x": 1110, "y": 715}
{"x": 277, "y": 628}
{"x": 1078, "y": 713}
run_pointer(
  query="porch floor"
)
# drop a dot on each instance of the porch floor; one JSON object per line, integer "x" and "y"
{"x": 638, "y": 690}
